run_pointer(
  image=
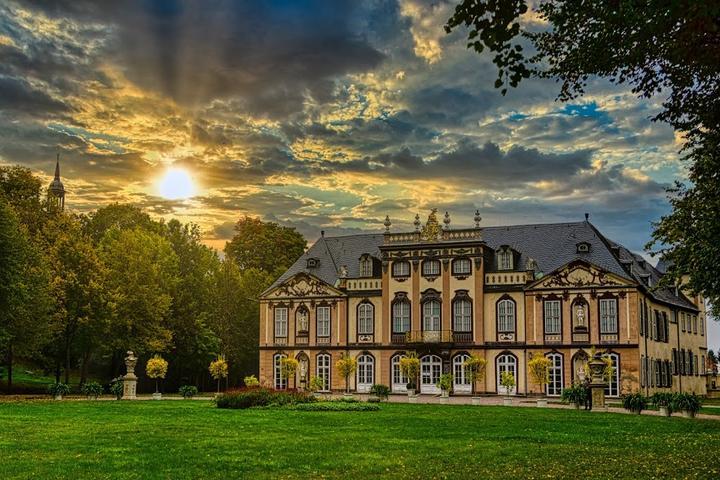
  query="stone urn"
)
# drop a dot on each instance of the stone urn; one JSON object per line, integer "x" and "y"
{"x": 130, "y": 379}
{"x": 157, "y": 396}
{"x": 413, "y": 398}
{"x": 57, "y": 397}
{"x": 688, "y": 414}
{"x": 507, "y": 401}
{"x": 664, "y": 411}
{"x": 410, "y": 392}
{"x": 476, "y": 400}
{"x": 347, "y": 396}
{"x": 542, "y": 402}
{"x": 444, "y": 394}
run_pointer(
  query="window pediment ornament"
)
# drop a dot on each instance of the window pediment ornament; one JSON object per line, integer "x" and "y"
{"x": 430, "y": 294}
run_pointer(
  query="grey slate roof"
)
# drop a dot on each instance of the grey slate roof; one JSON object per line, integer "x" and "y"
{"x": 551, "y": 245}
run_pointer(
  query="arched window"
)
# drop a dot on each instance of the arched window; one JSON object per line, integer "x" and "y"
{"x": 430, "y": 368}
{"x": 613, "y": 386}
{"x": 365, "y": 372}
{"x": 366, "y": 266}
{"x": 399, "y": 381}
{"x": 461, "y": 380}
{"x": 323, "y": 370}
{"x": 504, "y": 259}
{"x": 366, "y": 318}
{"x": 401, "y": 316}
{"x": 401, "y": 268}
{"x": 302, "y": 321}
{"x": 506, "y": 316}
{"x": 555, "y": 386}
{"x": 279, "y": 382}
{"x": 431, "y": 316}
{"x": 506, "y": 363}
{"x": 431, "y": 268}
{"x": 462, "y": 267}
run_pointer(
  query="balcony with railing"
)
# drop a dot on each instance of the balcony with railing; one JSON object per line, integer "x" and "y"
{"x": 432, "y": 336}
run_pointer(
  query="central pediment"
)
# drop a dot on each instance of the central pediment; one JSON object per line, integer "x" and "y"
{"x": 303, "y": 285}
{"x": 580, "y": 274}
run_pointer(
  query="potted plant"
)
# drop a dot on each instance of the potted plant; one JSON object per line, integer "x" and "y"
{"x": 664, "y": 401}
{"x": 539, "y": 370}
{"x": 251, "y": 381}
{"x": 188, "y": 391}
{"x": 58, "y": 389}
{"x": 507, "y": 380}
{"x": 475, "y": 371}
{"x": 445, "y": 384}
{"x": 410, "y": 368}
{"x": 346, "y": 366}
{"x": 688, "y": 403}
{"x": 635, "y": 402}
{"x": 218, "y": 370}
{"x": 575, "y": 394}
{"x": 288, "y": 367}
{"x": 116, "y": 388}
{"x": 316, "y": 386}
{"x": 156, "y": 368}
{"x": 379, "y": 392}
{"x": 92, "y": 390}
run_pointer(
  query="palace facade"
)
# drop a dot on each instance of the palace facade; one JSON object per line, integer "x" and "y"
{"x": 505, "y": 293}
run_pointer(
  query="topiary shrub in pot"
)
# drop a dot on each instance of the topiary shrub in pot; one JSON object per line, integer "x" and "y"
{"x": 92, "y": 390}
{"x": 116, "y": 388}
{"x": 410, "y": 368}
{"x": 539, "y": 370}
{"x": 379, "y": 392}
{"x": 575, "y": 395}
{"x": 316, "y": 386}
{"x": 445, "y": 384}
{"x": 58, "y": 389}
{"x": 635, "y": 402}
{"x": 688, "y": 403}
{"x": 664, "y": 401}
{"x": 475, "y": 372}
{"x": 156, "y": 368}
{"x": 507, "y": 381}
{"x": 188, "y": 391}
{"x": 346, "y": 367}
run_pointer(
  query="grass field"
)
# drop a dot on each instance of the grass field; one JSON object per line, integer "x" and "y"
{"x": 192, "y": 439}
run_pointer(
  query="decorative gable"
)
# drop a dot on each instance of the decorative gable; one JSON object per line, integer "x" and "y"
{"x": 580, "y": 274}
{"x": 303, "y": 285}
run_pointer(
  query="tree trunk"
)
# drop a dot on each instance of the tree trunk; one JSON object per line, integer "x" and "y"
{"x": 67, "y": 362}
{"x": 9, "y": 368}
{"x": 85, "y": 366}
{"x": 58, "y": 370}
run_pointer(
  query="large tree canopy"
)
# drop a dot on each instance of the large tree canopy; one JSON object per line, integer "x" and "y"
{"x": 658, "y": 47}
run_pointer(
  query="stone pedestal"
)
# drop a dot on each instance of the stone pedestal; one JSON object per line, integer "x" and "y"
{"x": 597, "y": 383}
{"x": 598, "y": 398}
{"x": 130, "y": 379}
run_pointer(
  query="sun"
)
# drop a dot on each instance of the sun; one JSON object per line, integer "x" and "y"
{"x": 176, "y": 184}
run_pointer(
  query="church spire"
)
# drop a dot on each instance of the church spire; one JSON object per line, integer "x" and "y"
{"x": 56, "y": 190}
{"x": 57, "y": 168}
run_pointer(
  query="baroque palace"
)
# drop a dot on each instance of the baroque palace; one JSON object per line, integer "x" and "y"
{"x": 505, "y": 293}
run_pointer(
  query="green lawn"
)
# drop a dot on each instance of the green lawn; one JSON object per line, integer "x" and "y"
{"x": 192, "y": 439}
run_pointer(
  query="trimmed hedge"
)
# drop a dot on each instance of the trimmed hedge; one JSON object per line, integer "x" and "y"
{"x": 336, "y": 407}
{"x": 261, "y": 397}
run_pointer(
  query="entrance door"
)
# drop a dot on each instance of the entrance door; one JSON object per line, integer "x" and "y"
{"x": 506, "y": 363}
{"x": 430, "y": 368}
{"x": 461, "y": 382}
{"x": 365, "y": 373}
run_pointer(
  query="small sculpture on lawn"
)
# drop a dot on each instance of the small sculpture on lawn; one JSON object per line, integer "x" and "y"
{"x": 130, "y": 379}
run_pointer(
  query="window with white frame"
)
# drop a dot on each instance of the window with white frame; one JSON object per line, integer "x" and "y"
{"x": 323, "y": 370}
{"x": 552, "y": 317}
{"x": 323, "y": 321}
{"x": 366, "y": 319}
{"x": 506, "y": 316}
{"x": 555, "y": 374}
{"x": 431, "y": 268}
{"x": 279, "y": 382}
{"x": 462, "y": 315}
{"x": 461, "y": 379}
{"x": 504, "y": 259}
{"x": 612, "y": 389}
{"x": 399, "y": 380}
{"x": 506, "y": 363}
{"x": 401, "y": 268}
{"x": 401, "y": 317}
{"x": 431, "y": 315}
{"x": 430, "y": 368}
{"x": 366, "y": 266}
{"x": 365, "y": 372}
{"x": 462, "y": 266}
{"x": 281, "y": 319}
{"x": 608, "y": 315}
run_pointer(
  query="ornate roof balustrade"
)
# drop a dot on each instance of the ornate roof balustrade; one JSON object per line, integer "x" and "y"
{"x": 460, "y": 235}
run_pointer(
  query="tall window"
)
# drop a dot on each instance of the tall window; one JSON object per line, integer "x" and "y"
{"x": 302, "y": 321}
{"x": 279, "y": 382}
{"x": 506, "y": 363}
{"x": 431, "y": 315}
{"x": 431, "y": 268}
{"x": 399, "y": 381}
{"x": 504, "y": 259}
{"x": 462, "y": 266}
{"x": 461, "y": 380}
{"x": 366, "y": 319}
{"x": 323, "y": 321}
{"x": 366, "y": 265}
{"x": 552, "y": 317}
{"x": 401, "y": 317}
{"x": 430, "y": 367}
{"x": 323, "y": 370}
{"x": 281, "y": 318}
{"x": 506, "y": 316}
{"x": 608, "y": 315}
{"x": 555, "y": 386}
{"x": 702, "y": 325}
{"x": 365, "y": 372}
{"x": 462, "y": 315}
{"x": 401, "y": 268}
{"x": 613, "y": 387}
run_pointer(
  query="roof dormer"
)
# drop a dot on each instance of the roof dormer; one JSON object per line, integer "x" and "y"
{"x": 313, "y": 262}
{"x": 582, "y": 247}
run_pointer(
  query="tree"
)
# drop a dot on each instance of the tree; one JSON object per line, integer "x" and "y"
{"x": 658, "y": 48}
{"x": 24, "y": 192}
{"x": 120, "y": 217}
{"x": 410, "y": 367}
{"x": 539, "y": 370}
{"x": 25, "y": 320}
{"x": 346, "y": 366}
{"x": 156, "y": 368}
{"x": 475, "y": 369}
{"x": 288, "y": 367}
{"x": 219, "y": 370}
{"x": 265, "y": 246}
{"x": 712, "y": 361}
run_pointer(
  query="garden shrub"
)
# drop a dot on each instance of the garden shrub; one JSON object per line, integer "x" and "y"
{"x": 688, "y": 402}
{"x": 92, "y": 389}
{"x": 380, "y": 390}
{"x": 336, "y": 407}
{"x": 576, "y": 394}
{"x": 261, "y": 397}
{"x": 58, "y": 389}
{"x": 251, "y": 381}
{"x": 188, "y": 391}
{"x": 663, "y": 399}
{"x": 635, "y": 402}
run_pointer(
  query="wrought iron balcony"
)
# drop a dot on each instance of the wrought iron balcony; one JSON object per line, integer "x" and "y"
{"x": 432, "y": 336}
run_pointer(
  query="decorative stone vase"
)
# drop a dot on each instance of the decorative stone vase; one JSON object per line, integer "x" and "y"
{"x": 444, "y": 394}
{"x": 157, "y": 396}
{"x": 637, "y": 412}
{"x": 688, "y": 414}
{"x": 476, "y": 400}
{"x": 507, "y": 401}
{"x": 542, "y": 402}
{"x": 58, "y": 397}
{"x": 664, "y": 411}
{"x": 92, "y": 397}
{"x": 444, "y": 399}
{"x": 410, "y": 392}
{"x": 348, "y": 396}
{"x": 373, "y": 398}
{"x": 413, "y": 398}
{"x": 576, "y": 406}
